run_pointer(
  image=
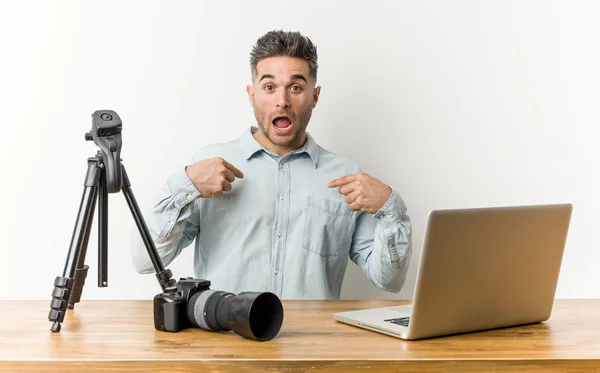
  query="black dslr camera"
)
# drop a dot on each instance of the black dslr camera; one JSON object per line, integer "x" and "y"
{"x": 191, "y": 303}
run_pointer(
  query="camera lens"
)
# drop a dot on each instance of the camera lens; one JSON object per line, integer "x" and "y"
{"x": 252, "y": 315}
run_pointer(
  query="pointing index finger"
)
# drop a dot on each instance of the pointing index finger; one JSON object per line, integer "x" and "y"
{"x": 233, "y": 169}
{"x": 341, "y": 181}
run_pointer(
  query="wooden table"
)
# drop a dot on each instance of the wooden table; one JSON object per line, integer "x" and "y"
{"x": 119, "y": 336}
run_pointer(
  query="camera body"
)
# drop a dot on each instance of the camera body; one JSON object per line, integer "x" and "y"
{"x": 170, "y": 307}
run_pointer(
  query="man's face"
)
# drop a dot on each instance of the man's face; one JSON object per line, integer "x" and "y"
{"x": 283, "y": 96}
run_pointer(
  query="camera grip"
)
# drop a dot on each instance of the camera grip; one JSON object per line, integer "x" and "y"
{"x": 171, "y": 316}
{"x": 167, "y": 308}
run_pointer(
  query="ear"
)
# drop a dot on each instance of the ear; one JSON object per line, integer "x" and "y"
{"x": 250, "y": 91}
{"x": 316, "y": 93}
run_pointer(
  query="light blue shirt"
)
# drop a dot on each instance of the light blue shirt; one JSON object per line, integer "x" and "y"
{"x": 281, "y": 228}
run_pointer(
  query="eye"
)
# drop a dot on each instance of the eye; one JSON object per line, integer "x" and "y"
{"x": 269, "y": 88}
{"x": 295, "y": 88}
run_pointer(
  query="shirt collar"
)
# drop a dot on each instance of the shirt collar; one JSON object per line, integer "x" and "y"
{"x": 250, "y": 146}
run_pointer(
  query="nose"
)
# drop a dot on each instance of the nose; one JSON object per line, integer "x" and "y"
{"x": 282, "y": 99}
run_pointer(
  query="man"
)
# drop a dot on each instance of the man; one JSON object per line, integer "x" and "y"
{"x": 272, "y": 210}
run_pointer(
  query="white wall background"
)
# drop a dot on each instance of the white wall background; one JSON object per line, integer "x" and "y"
{"x": 454, "y": 103}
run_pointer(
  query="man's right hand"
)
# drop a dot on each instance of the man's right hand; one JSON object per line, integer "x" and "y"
{"x": 212, "y": 176}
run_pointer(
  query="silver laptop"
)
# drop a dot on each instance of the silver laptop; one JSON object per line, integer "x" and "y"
{"x": 480, "y": 269}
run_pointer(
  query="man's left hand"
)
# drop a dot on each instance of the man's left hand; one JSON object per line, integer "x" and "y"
{"x": 363, "y": 192}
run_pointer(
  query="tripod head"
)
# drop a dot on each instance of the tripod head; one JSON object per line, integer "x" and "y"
{"x": 106, "y": 134}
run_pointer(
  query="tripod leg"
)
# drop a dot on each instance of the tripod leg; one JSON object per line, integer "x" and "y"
{"x": 63, "y": 285}
{"x": 103, "y": 232}
{"x": 163, "y": 275}
{"x": 82, "y": 268}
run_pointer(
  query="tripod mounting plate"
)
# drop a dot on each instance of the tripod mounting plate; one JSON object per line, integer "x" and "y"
{"x": 106, "y": 134}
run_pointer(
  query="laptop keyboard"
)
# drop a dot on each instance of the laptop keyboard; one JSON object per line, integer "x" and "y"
{"x": 399, "y": 321}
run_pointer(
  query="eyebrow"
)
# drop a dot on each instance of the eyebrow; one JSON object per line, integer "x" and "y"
{"x": 294, "y": 77}
{"x": 298, "y": 77}
{"x": 266, "y": 76}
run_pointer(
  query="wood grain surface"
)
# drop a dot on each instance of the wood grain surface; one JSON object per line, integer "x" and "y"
{"x": 119, "y": 336}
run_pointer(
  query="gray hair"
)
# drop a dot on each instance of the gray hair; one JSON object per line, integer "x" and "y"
{"x": 281, "y": 43}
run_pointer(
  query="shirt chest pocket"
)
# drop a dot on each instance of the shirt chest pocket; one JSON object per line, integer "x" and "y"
{"x": 328, "y": 227}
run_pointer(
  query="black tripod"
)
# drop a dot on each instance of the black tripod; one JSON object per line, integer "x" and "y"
{"x": 105, "y": 174}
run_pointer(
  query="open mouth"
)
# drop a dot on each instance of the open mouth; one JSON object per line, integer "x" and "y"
{"x": 282, "y": 125}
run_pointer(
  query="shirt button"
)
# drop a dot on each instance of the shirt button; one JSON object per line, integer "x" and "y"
{"x": 276, "y": 271}
{"x": 281, "y": 197}
{"x": 278, "y": 234}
